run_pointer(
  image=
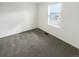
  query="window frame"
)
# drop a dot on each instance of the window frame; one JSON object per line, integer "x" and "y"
{"x": 57, "y": 20}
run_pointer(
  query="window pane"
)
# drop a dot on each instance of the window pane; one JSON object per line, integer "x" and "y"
{"x": 55, "y": 8}
{"x": 54, "y": 13}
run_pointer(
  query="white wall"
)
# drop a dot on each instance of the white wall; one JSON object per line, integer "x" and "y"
{"x": 69, "y": 31}
{"x": 17, "y": 17}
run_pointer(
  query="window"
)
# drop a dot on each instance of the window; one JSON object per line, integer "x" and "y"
{"x": 54, "y": 14}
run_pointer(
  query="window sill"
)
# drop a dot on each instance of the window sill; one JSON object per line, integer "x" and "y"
{"x": 55, "y": 25}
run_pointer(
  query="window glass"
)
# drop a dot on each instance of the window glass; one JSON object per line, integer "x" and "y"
{"x": 54, "y": 13}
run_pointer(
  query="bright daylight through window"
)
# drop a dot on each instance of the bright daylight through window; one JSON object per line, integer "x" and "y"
{"x": 54, "y": 14}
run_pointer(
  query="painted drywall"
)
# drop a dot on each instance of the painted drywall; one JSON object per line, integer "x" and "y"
{"x": 69, "y": 31}
{"x": 16, "y": 17}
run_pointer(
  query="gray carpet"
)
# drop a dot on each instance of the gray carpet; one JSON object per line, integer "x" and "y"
{"x": 35, "y": 43}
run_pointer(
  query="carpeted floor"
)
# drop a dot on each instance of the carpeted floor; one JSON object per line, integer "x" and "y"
{"x": 35, "y": 43}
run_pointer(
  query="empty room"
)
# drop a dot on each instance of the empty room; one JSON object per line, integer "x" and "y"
{"x": 39, "y": 29}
